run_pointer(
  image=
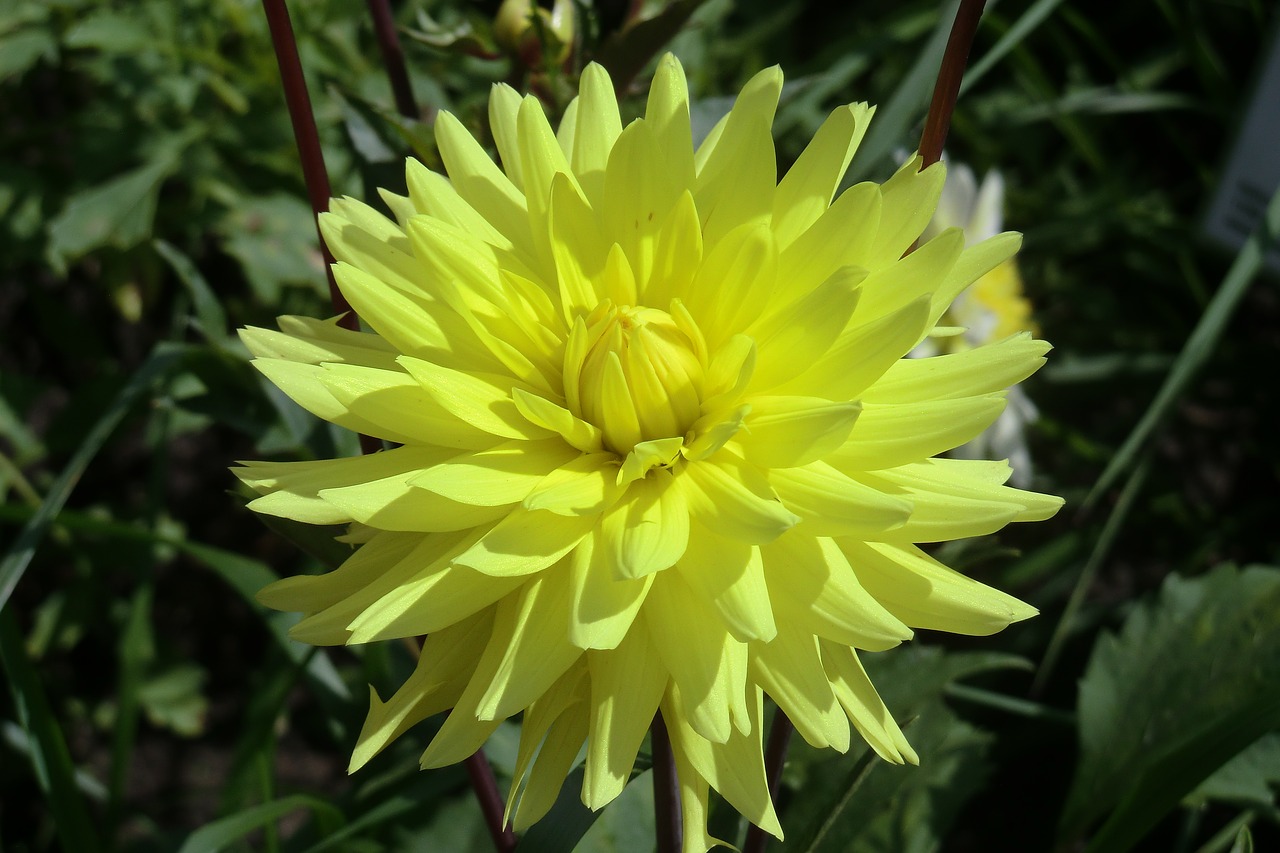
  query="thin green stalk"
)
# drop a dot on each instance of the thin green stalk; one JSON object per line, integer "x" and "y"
{"x": 1199, "y": 346}
{"x": 1099, "y": 554}
{"x": 1010, "y": 704}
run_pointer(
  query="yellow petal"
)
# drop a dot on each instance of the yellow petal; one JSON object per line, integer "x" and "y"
{"x": 392, "y": 503}
{"x": 910, "y": 197}
{"x": 790, "y": 671}
{"x": 926, "y": 594}
{"x": 501, "y": 475}
{"x": 736, "y": 183}
{"x": 526, "y": 542}
{"x": 539, "y": 650}
{"x": 743, "y": 263}
{"x": 583, "y": 486}
{"x": 598, "y": 127}
{"x": 887, "y": 435}
{"x": 695, "y": 648}
{"x": 815, "y": 590}
{"x": 862, "y": 353}
{"x": 677, "y": 254}
{"x": 793, "y": 338}
{"x": 832, "y": 504}
{"x": 647, "y": 530}
{"x": 504, "y": 104}
{"x": 626, "y": 686}
{"x": 481, "y": 183}
{"x": 313, "y": 593}
{"x": 734, "y": 768}
{"x": 550, "y": 416}
{"x": 443, "y": 669}
{"x": 963, "y": 374}
{"x": 806, "y": 190}
{"x": 482, "y": 400}
{"x": 434, "y": 195}
{"x": 783, "y": 432}
{"x": 604, "y": 605}
{"x": 843, "y": 236}
{"x": 734, "y": 499}
{"x": 863, "y": 705}
{"x": 730, "y": 575}
{"x": 667, "y": 115}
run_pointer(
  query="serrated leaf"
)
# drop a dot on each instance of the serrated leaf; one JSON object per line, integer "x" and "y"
{"x": 1191, "y": 679}
{"x": 1251, "y": 778}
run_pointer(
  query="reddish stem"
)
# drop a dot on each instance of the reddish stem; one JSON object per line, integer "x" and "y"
{"x": 947, "y": 89}
{"x": 384, "y": 28}
{"x": 485, "y": 787}
{"x": 666, "y": 790}
{"x": 307, "y": 138}
{"x": 775, "y": 757}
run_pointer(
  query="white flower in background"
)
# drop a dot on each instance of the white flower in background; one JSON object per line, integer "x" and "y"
{"x": 993, "y": 308}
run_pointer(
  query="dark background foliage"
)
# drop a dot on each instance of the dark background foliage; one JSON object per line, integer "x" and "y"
{"x": 151, "y": 202}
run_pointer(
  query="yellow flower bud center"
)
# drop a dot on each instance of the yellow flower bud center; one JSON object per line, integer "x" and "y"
{"x": 641, "y": 378}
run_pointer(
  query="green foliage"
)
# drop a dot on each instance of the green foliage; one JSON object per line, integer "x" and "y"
{"x": 1187, "y": 684}
{"x": 151, "y": 202}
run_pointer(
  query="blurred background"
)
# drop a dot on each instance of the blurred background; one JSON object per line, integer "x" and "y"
{"x": 151, "y": 202}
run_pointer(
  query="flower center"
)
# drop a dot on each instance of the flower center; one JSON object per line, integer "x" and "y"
{"x": 641, "y": 378}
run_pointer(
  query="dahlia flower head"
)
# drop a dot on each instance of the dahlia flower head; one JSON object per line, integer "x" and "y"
{"x": 994, "y": 307}
{"x": 656, "y": 446}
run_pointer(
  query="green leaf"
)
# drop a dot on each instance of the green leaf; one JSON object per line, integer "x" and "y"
{"x": 889, "y": 808}
{"x": 625, "y": 53}
{"x": 224, "y": 832}
{"x": 864, "y": 803}
{"x": 210, "y": 319}
{"x": 1191, "y": 680}
{"x": 108, "y": 31}
{"x": 1251, "y": 778}
{"x": 23, "y": 49}
{"x": 274, "y": 239}
{"x": 174, "y": 699}
{"x": 118, "y": 213}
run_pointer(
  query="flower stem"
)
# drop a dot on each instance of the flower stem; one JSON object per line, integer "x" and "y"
{"x": 307, "y": 138}
{"x": 947, "y": 89}
{"x": 318, "y": 191}
{"x": 775, "y": 756}
{"x": 666, "y": 789}
{"x": 384, "y": 29}
{"x": 486, "y": 789}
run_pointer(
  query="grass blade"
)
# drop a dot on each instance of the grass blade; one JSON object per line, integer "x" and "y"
{"x": 16, "y": 560}
{"x": 55, "y": 773}
{"x": 1199, "y": 346}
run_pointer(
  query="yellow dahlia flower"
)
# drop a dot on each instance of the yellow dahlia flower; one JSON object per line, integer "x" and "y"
{"x": 659, "y": 446}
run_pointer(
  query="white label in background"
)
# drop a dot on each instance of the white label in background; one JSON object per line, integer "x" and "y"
{"x": 1253, "y": 171}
